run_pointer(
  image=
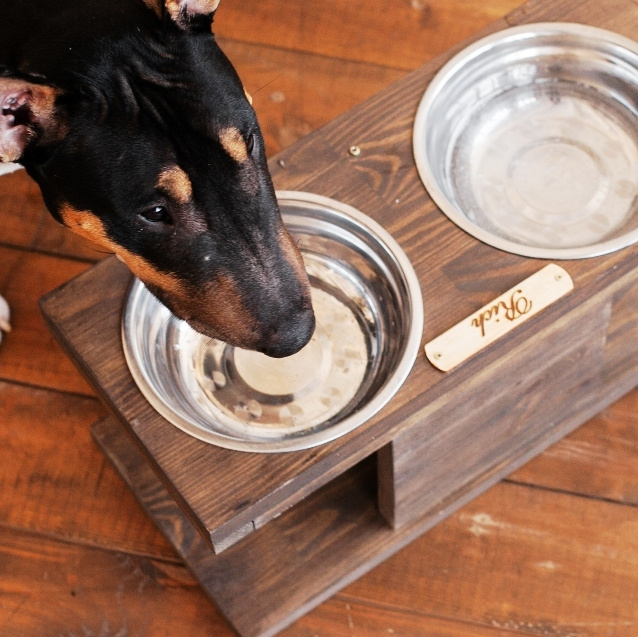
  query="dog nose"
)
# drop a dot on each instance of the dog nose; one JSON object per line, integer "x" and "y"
{"x": 289, "y": 338}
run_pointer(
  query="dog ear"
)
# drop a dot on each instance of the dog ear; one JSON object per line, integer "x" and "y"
{"x": 27, "y": 115}
{"x": 188, "y": 14}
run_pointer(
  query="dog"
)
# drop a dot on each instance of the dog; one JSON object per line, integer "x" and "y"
{"x": 141, "y": 137}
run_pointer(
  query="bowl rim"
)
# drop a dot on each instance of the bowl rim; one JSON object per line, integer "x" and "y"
{"x": 394, "y": 382}
{"x": 432, "y": 93}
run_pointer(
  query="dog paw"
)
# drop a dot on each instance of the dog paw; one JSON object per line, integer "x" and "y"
{"x": 5, "y": 315}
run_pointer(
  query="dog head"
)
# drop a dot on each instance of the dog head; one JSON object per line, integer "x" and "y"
{"x": 142, "y": 138}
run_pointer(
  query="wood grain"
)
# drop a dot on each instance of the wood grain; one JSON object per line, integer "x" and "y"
{"x": 296, "y": 92}
{"x": 598, "y": 460}
{"x": 451, "y": 582}
{"x": 29, "y": 353}
{"x": 470, "y": 567}
{"x": 252, "y": 488}
{"x": 54, "y": 480}
{"x": 499, "y": 541}
{"x": 533, "y": 395}
{"x": 416, "y": 30}
{"x": 50, "y": 588}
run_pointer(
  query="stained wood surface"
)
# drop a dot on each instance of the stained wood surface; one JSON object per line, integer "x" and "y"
{"x": 550, "y": 551}
{"x": 383, "y": 183}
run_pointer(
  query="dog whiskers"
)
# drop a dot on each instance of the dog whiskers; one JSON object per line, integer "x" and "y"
{"x": 266, "y": 84}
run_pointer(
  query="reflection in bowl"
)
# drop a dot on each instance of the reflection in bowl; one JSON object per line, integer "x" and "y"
{"x": 367, "y": 302}
{"x": 528, "y": 140}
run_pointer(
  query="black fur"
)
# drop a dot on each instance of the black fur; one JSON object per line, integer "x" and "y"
{"x": 139, "y": 94}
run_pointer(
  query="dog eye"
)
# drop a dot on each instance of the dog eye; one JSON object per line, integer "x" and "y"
{"x": 157, "y": 214}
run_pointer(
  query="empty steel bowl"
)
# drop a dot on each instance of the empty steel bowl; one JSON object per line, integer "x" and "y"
{"x": 528, "y": 140}
{"x": 368, "y": 305}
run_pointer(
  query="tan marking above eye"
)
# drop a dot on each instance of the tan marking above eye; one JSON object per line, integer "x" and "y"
{"x": 154, "y": 6}
{"x": 194, "y": 7}
{"x": 176, "y": 184}
{"x": 233, "y": 142}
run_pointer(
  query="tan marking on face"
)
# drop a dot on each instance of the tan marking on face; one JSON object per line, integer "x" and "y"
{"x": 89, "y": 226}
{"x": 194, "y": 7}
{"x": 154, "y": 5}
{"x": 233, "y": 142}
{"x": 175, "y": 183}
{"x": 216, "y": 309}
{"x": 173, "y": 7}
{"x": 86, "y": 224}
{"x": 226, "y": 314}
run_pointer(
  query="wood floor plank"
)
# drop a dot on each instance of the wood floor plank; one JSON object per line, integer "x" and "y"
{"x": 29, "y": 354}
{"x": 50, "y": 588}
{"x": 598, "y": 460}
{"x": 523, "y": 559}
{"x": 27, "y": 223}
{"x": 342, "y": 618}
{"x": 55, "y": 481}
{"x": 401, "y": 35}
{"x": 295, "y": 93}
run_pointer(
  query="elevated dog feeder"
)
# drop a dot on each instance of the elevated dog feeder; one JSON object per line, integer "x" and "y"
{"x": 270, "y": 535}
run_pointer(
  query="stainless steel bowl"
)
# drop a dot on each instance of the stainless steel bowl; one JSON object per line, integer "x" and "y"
{"x": 528, "y": 140}
{"x": 369, "y": 311}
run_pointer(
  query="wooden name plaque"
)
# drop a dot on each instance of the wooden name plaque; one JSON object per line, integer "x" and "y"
{"x": 499, "y": 317}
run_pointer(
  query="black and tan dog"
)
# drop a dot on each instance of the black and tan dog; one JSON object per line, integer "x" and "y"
{"x": 140, "y": 135}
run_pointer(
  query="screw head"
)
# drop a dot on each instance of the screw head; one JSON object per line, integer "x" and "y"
{"x": 355, "y": 151}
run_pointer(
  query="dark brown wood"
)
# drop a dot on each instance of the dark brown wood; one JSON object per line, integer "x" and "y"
{"x": 525, "y": 558}
{"x": 352, "y": 32}
{"x": 30, "y": 354}
{"x": 546, "y": 389}
{"x": 328, "y": 540}
{"x": 457, "y": 273}
{"x": 535, "y": 395}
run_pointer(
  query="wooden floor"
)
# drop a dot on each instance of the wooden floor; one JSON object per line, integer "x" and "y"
{"x": 551, "y": 551}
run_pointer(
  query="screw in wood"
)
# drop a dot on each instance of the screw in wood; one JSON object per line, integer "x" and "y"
{"x": 355, "y": 151}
